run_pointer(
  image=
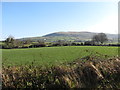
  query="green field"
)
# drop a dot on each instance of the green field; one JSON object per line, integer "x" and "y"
{"x": 53, "y": 55}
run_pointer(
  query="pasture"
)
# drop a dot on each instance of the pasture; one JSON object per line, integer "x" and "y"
{"x": 53, "y": 55}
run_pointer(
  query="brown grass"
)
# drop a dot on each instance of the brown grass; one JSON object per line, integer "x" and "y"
{"x": 93, "y": 73}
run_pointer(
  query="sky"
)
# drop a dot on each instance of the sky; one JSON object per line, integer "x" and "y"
{"x": 30, "y": 19}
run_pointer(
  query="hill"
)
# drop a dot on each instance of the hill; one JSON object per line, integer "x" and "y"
{"x": 70, "y": 36}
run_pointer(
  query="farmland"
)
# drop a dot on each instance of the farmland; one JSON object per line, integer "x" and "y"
{"x": 53, "y": 55}
{"x": 86, "y": 67}
{"x": 59, "y": 45}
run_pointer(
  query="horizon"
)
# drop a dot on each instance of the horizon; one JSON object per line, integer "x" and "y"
{"x": 62, "y": 32}
{"x": 30, "y": 19}
{"x": 57, "y": 32}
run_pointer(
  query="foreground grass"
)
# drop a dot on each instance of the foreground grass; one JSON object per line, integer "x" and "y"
{"x": 89, "y": 72}
{"x": 53, "y": 55}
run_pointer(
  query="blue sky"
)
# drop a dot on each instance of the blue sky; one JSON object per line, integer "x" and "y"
{"x": 29, "y": 19}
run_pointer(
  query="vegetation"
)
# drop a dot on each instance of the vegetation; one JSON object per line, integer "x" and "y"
{"x": 79, "y": 65}
{"x": 71, "y": 36}
{"x": 53, "y": 55}
{"x": 101, "y": 37}
{"x": 89, "y": 72}
{"x": 61, "y": 67}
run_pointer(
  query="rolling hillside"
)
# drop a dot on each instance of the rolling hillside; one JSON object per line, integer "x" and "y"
{"x": 70, "y": 36}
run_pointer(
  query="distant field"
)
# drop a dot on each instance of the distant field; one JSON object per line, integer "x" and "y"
{"x": 52, "y": 55}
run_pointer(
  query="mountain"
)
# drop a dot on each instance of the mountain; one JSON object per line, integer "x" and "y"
{"x": 70, "y": 36}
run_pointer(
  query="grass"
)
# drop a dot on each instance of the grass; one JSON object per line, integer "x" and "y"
{"x": 94, "y": 73}
{"x": 53, "y": 55}
{"x": 82, "y": 67}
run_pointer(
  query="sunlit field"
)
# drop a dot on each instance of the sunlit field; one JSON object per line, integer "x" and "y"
{"x": 54, "y": 55}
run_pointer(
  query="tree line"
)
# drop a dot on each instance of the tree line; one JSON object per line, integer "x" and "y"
{"x": 96, "y": 40}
